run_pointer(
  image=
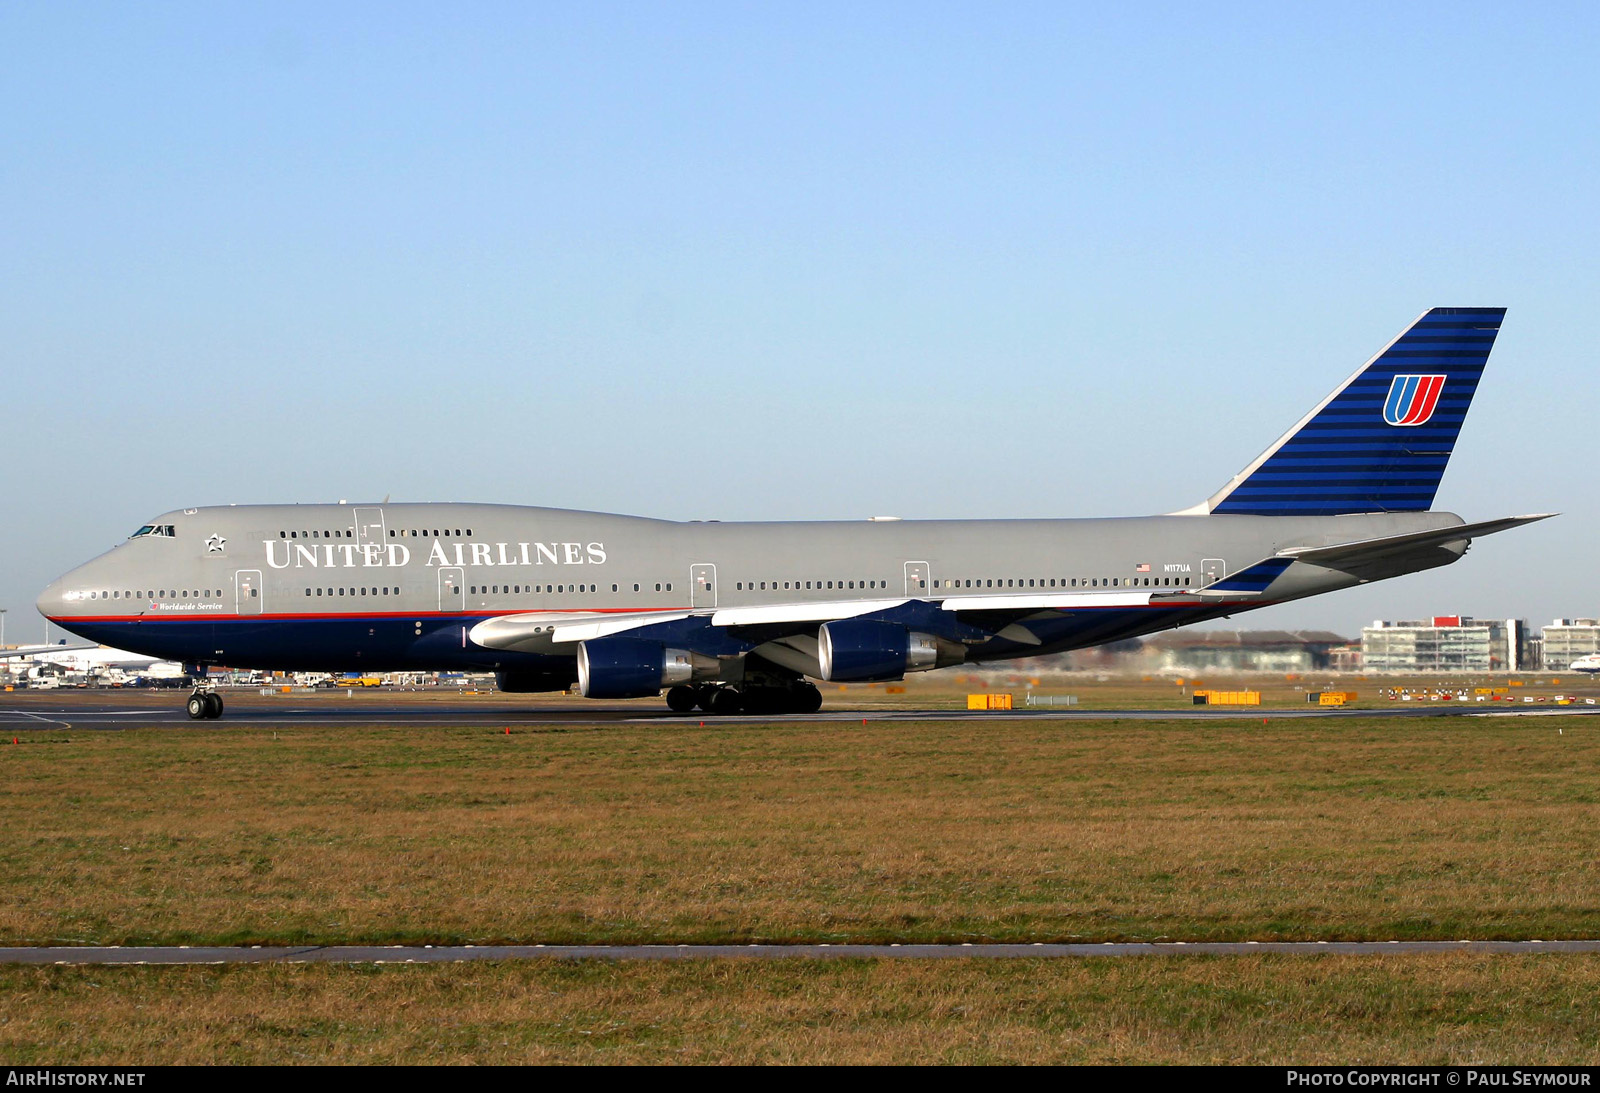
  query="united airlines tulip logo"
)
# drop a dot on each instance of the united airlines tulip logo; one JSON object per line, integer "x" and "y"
{"x": 1412, "y": 399}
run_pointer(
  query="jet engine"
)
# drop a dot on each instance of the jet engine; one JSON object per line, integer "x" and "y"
{"x": 627, "y": 668}
{"x": 861, "y": 650}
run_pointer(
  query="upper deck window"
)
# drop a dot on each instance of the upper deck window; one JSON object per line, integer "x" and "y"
{"x": 167, "y": 530}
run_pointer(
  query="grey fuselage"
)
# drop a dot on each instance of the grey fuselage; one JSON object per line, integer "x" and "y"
{"x": 400, "y": 586}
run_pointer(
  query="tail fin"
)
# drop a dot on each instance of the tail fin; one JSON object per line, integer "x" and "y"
{"x": 1381, "y": 441}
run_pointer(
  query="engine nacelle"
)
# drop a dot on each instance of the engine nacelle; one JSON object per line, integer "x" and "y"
{"x": 861, "y": 650}
{"x": 626, "y": 668}
{"x": 530, "y": 680}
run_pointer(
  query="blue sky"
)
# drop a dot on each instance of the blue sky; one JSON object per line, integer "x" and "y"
{"x": 783, "y": 262}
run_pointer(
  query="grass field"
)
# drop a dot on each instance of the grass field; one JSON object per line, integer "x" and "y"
{"x": 673, "y": 831}
{"x": 1023, "y": 830}
{"x": 1335, "y": 1010}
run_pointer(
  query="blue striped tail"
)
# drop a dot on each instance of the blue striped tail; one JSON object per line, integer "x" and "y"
{"x": 1380, "y": 443}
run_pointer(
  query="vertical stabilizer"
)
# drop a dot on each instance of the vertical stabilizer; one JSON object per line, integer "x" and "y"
{"x": 1381, "y": 441}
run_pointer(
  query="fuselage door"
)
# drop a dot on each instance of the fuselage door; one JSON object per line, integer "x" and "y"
{"x": 247, "y": 591}
{"x": 452, "y": 589}
{"x": 1212, "y": 570}
{"x": 917, "y": 579}
{"x": 702, "y": 585}
{"x": 369, "y": 526}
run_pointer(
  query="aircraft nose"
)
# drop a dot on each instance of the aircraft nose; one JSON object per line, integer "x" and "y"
{"x": 52, "y": 602}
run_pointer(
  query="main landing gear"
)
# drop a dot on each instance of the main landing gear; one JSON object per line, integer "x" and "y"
{"x": 721, "y": 699}
{"x": 204, "y": 705}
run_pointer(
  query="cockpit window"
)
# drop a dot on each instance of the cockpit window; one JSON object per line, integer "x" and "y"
{"x": 169, "y": 530}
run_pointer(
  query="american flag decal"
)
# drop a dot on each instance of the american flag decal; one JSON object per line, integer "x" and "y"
{"x": 1142, "y": 567}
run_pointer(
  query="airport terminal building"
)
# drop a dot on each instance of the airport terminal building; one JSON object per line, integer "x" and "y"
{"x": 1448, "y": 643}
{"x": 1565, "y": 640}
{"x": 1241, "y": 651}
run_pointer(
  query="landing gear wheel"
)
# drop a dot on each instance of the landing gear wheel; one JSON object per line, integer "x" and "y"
{"x": 197, "y": 707}
{"x": 213, "y": 706}
{"x": 704, "y": 694}
{"x": 725, "y": 700}
{"x": 681, "y": 699}
{"x": 807, "y": 699}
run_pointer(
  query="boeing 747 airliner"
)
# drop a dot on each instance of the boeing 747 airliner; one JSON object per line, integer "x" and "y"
{"x": 741, "y": 616}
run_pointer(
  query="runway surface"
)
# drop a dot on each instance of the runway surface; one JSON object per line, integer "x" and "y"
{"x": 117, "y": 711}
{"x": 449, "y": 954}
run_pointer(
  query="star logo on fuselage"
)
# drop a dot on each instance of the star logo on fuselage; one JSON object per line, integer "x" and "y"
{"x": 215, "y": 544}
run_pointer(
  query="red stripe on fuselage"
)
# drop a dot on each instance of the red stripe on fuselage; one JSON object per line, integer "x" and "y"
{"x": 67, "y": 620}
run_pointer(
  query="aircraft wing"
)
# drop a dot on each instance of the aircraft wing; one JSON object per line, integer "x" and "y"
{"x": 782, "y": 613}
{"x": 514, "y": 631}
{"x": 561, "y": 627}
{"x": 988, "y": 616}
{"x": 38, "y": 650}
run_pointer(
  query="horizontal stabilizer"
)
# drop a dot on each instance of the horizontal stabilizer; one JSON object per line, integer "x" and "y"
{"x": 1369, "y": 550}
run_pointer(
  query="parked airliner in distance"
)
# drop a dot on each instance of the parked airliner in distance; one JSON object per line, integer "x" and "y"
{"x": 741, "y": 616}
{"x": 1589, "y": 663}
